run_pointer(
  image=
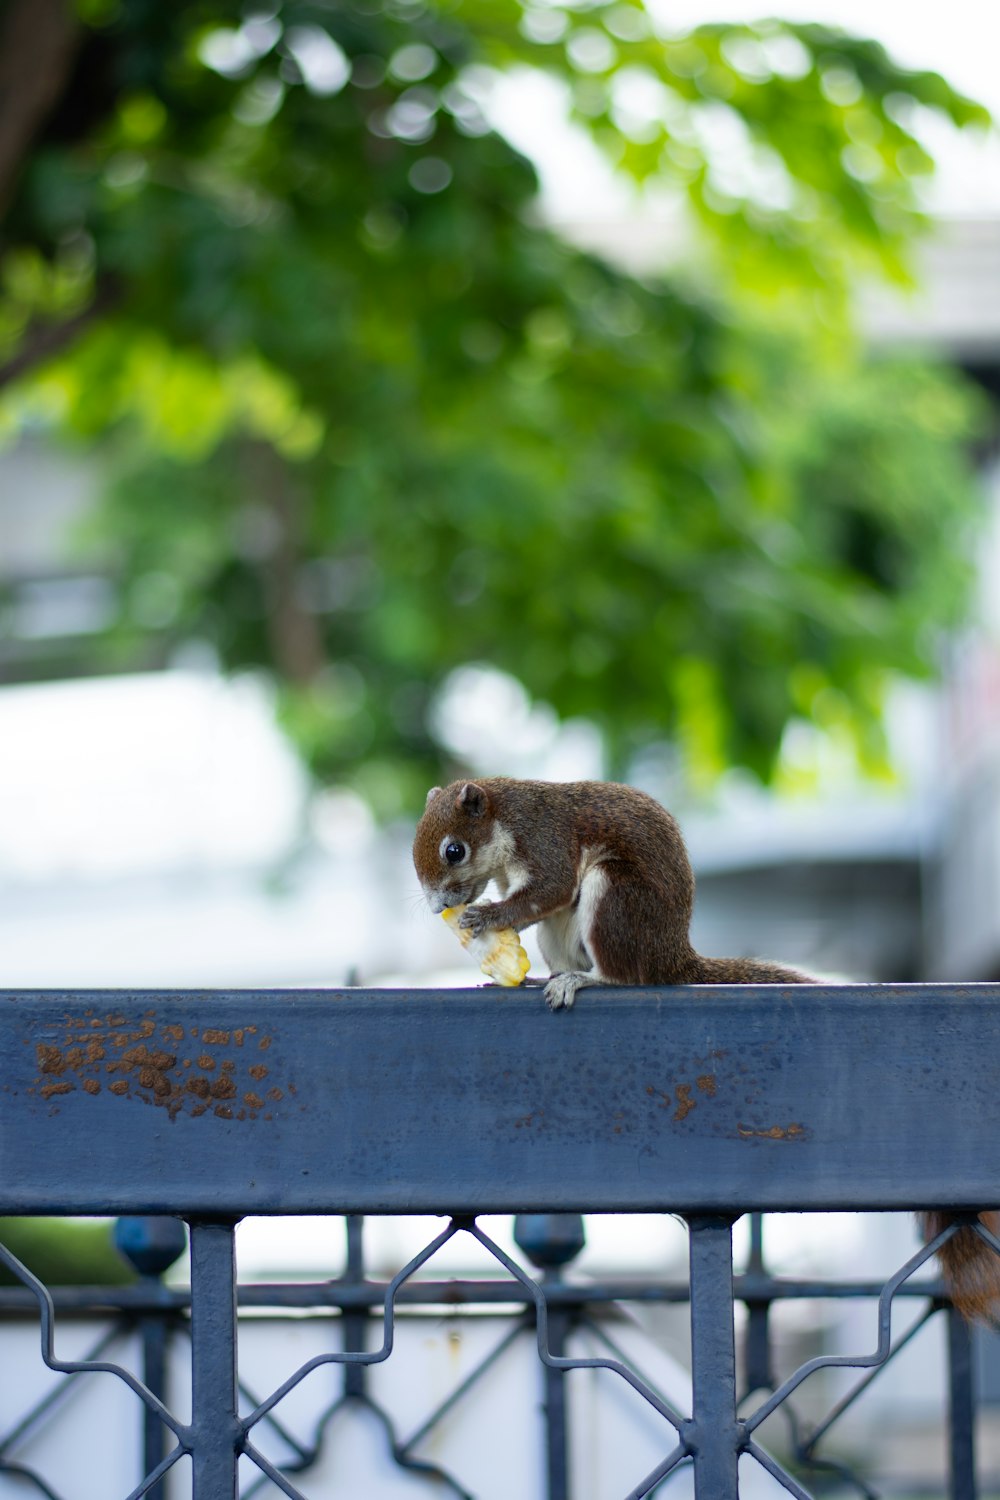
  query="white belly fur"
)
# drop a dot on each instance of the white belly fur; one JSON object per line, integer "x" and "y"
{"x": 564, "y": 937}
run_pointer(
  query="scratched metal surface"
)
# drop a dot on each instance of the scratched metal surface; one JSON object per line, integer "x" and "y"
{"x": 452, "y": 1101}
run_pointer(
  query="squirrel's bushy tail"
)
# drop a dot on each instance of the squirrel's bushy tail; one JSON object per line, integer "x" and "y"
{"x": 971, "y": 1267}
{"x": 744, "y": 971}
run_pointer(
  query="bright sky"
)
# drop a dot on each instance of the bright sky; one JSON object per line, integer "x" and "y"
{"x": 962, "y": 42}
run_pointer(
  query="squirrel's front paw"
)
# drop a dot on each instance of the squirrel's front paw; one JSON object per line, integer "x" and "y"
{"x": 560, "y": 992}
{"x": 475, "y": 919}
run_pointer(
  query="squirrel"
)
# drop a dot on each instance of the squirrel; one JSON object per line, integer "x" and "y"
{"x": 603, "y": 870}
{"x": 601, "y": 867}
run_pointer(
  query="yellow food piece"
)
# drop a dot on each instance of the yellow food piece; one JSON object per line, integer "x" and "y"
{"x": 500, "y": 954}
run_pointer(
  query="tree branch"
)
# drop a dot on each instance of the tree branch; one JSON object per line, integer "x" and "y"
{"x": 296, "y": 639}
{"x": 43, "y": 340}
{"x": 38, "y": 42}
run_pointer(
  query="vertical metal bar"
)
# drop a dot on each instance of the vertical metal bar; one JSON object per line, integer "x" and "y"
{"x": 757, "y": 1371}
{"x": 556, "y": 1423}
{"x": 961, "y": 1410}
{"x": 713, "y": 1434}
{"x": 355, "y": 1320}
{"x": 153, "y": 1332}
{"x": 215, "y": 1429}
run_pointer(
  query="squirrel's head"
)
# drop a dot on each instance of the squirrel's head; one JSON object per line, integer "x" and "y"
{"x": 456, "y": 850}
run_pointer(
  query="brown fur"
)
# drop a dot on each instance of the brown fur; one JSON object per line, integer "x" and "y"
{"x": 639, "y": 934}
{"x": 971, "y": 1267}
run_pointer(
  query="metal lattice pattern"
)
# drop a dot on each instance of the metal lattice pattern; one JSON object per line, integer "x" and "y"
{"x": 711, "y": 1438}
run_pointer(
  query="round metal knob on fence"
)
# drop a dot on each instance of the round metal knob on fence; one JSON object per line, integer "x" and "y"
{"x": 550, "y": 1240}
{"x": 151, "y": 1243}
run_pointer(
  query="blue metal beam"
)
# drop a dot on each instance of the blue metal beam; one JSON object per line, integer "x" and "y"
{"x": 233, "y": 1103}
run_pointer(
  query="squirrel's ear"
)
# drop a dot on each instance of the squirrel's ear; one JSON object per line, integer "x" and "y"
{"x": 472, "y": 799}
{"x": 432, "y": 793}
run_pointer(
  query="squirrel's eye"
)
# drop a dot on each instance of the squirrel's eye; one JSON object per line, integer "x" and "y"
{"x": 454, "y": 853}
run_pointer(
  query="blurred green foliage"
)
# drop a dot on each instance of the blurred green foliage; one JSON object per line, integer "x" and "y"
{"x": 366, "y": 419}
{"x": 65, "y": 1252}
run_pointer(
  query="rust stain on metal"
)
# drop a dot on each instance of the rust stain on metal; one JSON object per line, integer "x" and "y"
{"x": 137, "y": 1058}
{"x": 685, "y": 1104}
{"x": 678, "y": 1100}
{"x": 142, "y": 1057}
{"x": 793, "y": 1132}
{"x": 48, "y": 1089}
{"x": 696, "y": 1083}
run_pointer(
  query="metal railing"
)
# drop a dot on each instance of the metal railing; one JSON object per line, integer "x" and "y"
{"x": 703, "y": 1104}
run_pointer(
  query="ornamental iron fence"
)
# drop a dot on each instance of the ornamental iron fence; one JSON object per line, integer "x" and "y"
{"x": 706, "y": 1105}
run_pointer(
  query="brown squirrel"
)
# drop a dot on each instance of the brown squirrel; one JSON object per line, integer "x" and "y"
{"x": 602, "y": 869}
